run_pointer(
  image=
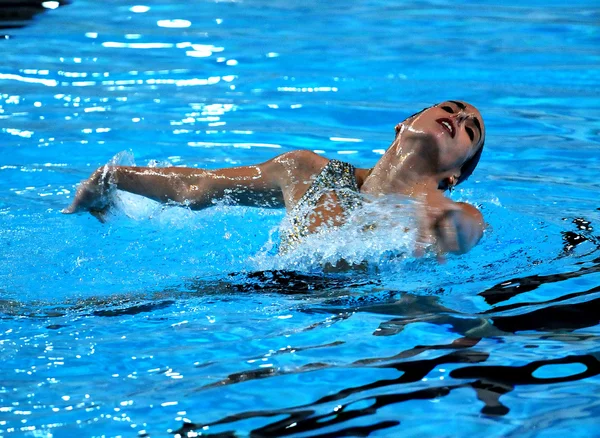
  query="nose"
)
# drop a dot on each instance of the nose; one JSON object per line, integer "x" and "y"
{"x": 461, "y": 116}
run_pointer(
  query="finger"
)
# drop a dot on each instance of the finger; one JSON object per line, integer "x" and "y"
{"x": 79, "y": 201}
{"x": 78, "y": 205}
{"x": 75, "y": 207}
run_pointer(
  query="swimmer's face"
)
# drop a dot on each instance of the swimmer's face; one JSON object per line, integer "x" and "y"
{"x": 458, "y": 130}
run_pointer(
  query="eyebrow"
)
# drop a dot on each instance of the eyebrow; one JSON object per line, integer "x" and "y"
{"x": 458, "y": 104}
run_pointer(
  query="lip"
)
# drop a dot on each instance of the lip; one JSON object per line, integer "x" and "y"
{"x": 447, "y": 125}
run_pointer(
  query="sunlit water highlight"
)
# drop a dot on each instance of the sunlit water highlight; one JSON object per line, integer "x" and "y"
{"x": 163, "y": 319}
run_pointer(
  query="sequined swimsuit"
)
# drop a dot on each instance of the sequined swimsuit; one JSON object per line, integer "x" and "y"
{"x": 336, "y": 176}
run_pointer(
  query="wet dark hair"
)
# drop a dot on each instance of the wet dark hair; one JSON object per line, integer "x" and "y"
{"x": 416, "y": 114}
{"x": 469, "y": 166}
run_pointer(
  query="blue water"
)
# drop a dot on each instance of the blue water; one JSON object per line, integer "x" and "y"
{"x": 167, "y": 321}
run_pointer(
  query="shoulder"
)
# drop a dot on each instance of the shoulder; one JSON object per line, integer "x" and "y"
{"x": 300, "y": 163}
{"x": 294, "y": 172}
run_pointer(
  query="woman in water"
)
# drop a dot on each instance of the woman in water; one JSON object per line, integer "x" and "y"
{"x": 433, "y": 151}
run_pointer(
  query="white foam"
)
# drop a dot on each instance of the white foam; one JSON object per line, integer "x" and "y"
{"x": 380, "y": 231}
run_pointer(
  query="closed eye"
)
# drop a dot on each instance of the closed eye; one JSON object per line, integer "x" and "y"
{"x": 447, "y": 109}
{"x": 470, "y": 133}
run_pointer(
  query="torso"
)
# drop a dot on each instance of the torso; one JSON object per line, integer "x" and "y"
{"x": 323, "y": 199}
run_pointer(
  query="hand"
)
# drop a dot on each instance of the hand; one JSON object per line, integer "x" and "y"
{"x": 94, "y": 195}
{"x": 446, "y": 226}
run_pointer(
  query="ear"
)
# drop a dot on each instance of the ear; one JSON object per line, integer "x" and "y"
{"x": 398, "y": 128}
{"x": 448, "y": 183}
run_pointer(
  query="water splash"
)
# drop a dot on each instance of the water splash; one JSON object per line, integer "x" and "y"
{"x": 382, "y": 231}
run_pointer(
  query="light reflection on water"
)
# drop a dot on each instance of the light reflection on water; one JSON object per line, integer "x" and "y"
{"x": 167, "y": 319}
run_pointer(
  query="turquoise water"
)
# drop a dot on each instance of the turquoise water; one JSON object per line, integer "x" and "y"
{"x": 167, "y": 321}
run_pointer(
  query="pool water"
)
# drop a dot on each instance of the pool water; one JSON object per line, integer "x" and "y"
{"x": 167, "y": 321}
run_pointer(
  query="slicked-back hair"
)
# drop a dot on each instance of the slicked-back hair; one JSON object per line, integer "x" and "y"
{"x": 469, "y": 166}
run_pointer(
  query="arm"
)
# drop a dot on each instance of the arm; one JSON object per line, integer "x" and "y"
{"x": 259, "y": 185}
{"x": 452, "y": 227}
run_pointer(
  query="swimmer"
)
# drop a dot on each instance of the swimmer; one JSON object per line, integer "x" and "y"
{"x": 433, "y": 151}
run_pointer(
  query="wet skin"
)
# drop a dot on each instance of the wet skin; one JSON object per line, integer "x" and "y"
{"x": 424, "y": 159}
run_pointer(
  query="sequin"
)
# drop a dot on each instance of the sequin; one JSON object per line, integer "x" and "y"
{"x": 336, "y": 176}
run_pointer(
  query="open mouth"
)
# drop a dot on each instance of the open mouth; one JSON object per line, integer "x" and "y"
{"x": 448, "y": 126}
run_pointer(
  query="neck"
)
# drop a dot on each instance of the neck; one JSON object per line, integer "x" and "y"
{"x": 408, "y": 163}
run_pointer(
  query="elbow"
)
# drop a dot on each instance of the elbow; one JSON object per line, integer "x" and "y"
{"x": 194, "y": 196}
{"x": 179, "y": 195}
